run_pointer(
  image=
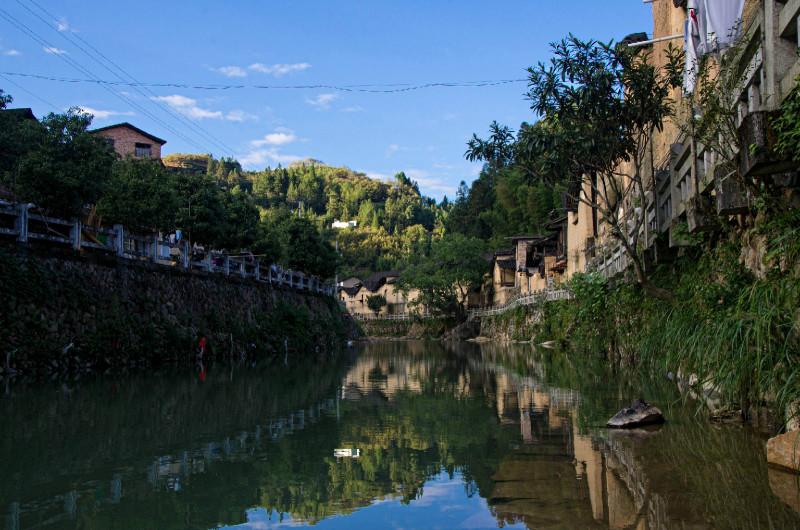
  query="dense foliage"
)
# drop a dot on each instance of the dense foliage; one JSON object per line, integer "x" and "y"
{"x": 54, "y": 164}
{"x": 454, "y": 268}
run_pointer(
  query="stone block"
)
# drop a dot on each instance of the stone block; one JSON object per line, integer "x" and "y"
{"x": 783, "y": 451}
{"x": 732, "y": 196}
{"x": 701, "y": 215}
{"x": 758, "y": 139}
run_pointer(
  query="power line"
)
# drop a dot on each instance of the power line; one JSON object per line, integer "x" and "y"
{"x": 29, "y": 92}
{"x": 176, "y": 114}
{"x": 386, "y": 88}
{"x": 42, "y": 41}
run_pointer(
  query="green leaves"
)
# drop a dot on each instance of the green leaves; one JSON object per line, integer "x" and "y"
{"x": 444, "y": 279}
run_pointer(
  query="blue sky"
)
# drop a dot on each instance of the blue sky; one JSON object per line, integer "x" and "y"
{"x": 291, "y": 44}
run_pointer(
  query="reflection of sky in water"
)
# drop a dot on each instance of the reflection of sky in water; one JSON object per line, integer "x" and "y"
{"x": 443, "y": 504}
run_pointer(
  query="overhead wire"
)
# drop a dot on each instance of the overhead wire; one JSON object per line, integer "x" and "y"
{"x": 386, "y": 88}
{"x": 74, "y": 64}
{"x": 29, "y": 92}
{"x": 175, "y": 113}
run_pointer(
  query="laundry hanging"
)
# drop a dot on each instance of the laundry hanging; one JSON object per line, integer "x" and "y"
{"x": 711, "y": 26}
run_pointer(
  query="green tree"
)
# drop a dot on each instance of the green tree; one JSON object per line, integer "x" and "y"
{"x": 304, "y": 249}
{"x": 58, "y": 166}
{"x": 140, "y": 193}
{"x": 375, "y": 302}
{"x": 454, "y": 268}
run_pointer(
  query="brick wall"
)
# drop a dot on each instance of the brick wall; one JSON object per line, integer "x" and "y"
{"x": 125, "y": 141}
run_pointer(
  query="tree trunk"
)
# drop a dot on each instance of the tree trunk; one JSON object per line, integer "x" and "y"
{"x": 649, "y": 288}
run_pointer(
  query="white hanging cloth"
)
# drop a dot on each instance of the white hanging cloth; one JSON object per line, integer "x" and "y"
{"x": 723, "y": 19}
{"x": 690, "y": 42}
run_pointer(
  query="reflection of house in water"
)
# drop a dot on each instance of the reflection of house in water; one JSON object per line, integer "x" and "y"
{"x": 556, "y": 477}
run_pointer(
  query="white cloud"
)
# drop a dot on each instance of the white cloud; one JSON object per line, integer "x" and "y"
{"x": 377, "y": 176}
{"x": 444, "y": 166}
{"x": 188, "y": 107}
{"x": 12, "y": 52}
{"x": 322, "y": 101}
{"x": 240, "y": 115}
{"x": 427, "y": 182}
{"x": 451, "y": 116}
{"x": 64, "y": 26}
{"x": 53, "y": 49}
{"x": 281, "y": 136}
{"x": 394, "y": 148}
{"x": 278, "y": 70}
{"x": 103, "y": 114}
{"x": 260, "y": 157}
{"x": 231, "y": 71}
{"x": 353, "y": 109}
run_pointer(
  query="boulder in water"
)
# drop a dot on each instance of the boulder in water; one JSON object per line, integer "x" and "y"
{"x": 783, "y": 451}
{"x": 638, "y": 413}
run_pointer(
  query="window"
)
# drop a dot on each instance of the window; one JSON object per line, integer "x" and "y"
{"x": 110, "y": 142}
{"x": 142, "y": 149}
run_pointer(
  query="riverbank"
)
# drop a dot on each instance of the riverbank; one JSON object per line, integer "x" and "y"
{"x": 64, "y": 312}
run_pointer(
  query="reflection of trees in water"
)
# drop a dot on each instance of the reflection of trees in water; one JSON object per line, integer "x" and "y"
{"x": 74, "y": 437}
{"x": 509, "y": 420}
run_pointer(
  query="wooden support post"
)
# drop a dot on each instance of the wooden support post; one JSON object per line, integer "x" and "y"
{"x": 75, "y": 235}
{"x": 119, "y": 241}
{"x": 21, "y": 223}
{"x": 257, "y": 270}
{"x": 269, "y": 274}
{"x": 243, "y": 268}
{"x": 227, "y": 265}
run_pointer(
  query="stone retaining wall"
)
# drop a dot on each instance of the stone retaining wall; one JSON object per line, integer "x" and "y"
{"x": 62, "y": 311}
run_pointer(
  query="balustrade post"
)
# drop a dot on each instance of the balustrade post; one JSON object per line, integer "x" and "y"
{"x": 207, "y": 261}
{"x": 75, "y": 235}
{"x": 269, "y": 274}
{"x": 21, "y": 223}
{"x": 243, "y": 268}
{"x": 257, "y": 270}
{"x": 185, "y": 252}
{"x": 119, "y": 240}
{"x": 227, "y": 264}
{"x": 155, "y": 248}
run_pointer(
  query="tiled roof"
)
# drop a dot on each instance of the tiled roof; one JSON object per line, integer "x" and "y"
{"x": 506, "y": 263}
{"x": 128, "y": 125}
{"x": 20, "y": 114}
{"x": 351, "y": 291}
{"x": 374, "y": 282}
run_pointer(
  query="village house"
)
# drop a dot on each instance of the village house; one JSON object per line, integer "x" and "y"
{"x": 689, "y": 191}
{"x": 354, "y": 294}
{"x": 129, "y": 140}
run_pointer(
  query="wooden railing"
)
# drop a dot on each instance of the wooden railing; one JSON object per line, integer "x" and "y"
{"x": 542, "y": 295}
{"x": 21, "y": 222}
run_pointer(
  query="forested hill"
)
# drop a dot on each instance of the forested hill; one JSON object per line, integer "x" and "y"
{"x": 394, "y": 221}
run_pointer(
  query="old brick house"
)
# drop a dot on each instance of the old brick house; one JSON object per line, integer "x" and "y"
{"x": 129, "y": 140}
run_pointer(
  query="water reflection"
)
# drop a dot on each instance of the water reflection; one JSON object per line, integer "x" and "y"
{"x": 501, "y": 435}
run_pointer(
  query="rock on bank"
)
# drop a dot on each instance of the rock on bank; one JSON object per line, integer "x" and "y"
{"x": 62, "y": 311}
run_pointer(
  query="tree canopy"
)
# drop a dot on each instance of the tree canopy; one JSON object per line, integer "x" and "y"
{"x": 443, "y": 279}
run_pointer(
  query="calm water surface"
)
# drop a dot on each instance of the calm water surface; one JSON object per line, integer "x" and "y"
{"x": 390, "y": 435}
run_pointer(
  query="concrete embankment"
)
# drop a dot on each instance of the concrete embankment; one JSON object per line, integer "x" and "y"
{"x": 62, "y": 311}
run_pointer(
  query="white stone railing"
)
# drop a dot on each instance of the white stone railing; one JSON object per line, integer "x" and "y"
{"x": 399, "y": 316}
{"x": 22, "y": 223}
{"x": 542, "y": 295}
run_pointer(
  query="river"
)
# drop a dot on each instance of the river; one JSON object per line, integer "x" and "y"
{"x": 387, "y": 435}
